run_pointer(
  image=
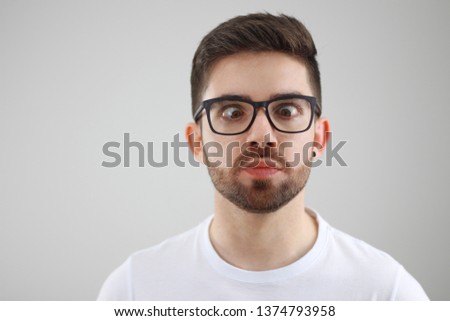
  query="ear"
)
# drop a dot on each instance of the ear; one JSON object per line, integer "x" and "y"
{"x": 321, "y": 135}
{"x": 194, "y": 138}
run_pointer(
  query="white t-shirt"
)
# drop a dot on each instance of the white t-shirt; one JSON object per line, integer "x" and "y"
{"x": 186, "y": 267}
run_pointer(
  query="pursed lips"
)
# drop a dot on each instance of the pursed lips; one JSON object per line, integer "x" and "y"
{"x": 263, "y": 169}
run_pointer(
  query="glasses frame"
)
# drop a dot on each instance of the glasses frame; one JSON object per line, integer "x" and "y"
{"x": 206, "y": 105}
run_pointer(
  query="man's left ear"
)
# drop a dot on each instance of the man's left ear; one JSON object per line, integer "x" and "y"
{"x": 321, "y": 135}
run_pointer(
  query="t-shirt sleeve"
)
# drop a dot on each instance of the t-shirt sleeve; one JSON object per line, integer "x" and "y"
{"x": 408, "y": 289}
{"x": 117, "y": 286}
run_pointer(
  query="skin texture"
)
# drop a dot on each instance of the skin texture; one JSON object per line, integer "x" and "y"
{"x": 260, "y": 222}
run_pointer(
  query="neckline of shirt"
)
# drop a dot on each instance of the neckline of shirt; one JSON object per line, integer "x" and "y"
{"x": 286, "y": 272}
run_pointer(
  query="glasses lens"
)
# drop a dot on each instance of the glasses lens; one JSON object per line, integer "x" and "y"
{"x": 230, "y": 117}
{"x": 291, "y": 115}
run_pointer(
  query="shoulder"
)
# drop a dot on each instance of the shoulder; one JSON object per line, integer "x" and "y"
{"x": 350, "y": 247}
{"x": 372, "y": 267}
{"x": 350, "y": 251}
{"x": 362, "y": 259}
{"x": 168, "y": 250}
{"x": 117, "y": 287}
{"x": 174, "y": 245}
{"x": 143, "y": 265}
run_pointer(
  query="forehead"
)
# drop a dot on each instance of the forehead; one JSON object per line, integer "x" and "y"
{"x": 257, "y": 75}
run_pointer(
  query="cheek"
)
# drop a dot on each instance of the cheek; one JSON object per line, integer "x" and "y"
{"x": 291, "y": 151}
{"x": 297, "y": 150}
{"x": 221, "y": 151}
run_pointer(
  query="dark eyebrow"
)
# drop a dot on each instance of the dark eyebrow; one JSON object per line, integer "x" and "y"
{"x": 285, "y": 94}
{"x": 273, "y": 96}
{"x": 235, "y": 96}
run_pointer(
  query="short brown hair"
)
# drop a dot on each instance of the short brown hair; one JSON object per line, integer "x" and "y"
{"x": 255, "y": 32}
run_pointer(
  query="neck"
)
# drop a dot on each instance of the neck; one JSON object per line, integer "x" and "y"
{"x": 259, "y": 242}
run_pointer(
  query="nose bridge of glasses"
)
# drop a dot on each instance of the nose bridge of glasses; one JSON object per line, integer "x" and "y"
{"x": 261, "y": 123}
{"x": 260, "y": 104}
{"x": 262, "y": 107}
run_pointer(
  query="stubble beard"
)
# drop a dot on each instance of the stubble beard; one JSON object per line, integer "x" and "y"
{"x": 263, "y": 195}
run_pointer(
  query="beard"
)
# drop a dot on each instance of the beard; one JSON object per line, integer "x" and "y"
{"x": 263, "y": 195}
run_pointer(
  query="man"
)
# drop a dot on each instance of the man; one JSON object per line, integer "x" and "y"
{"x": 256, "y": 97}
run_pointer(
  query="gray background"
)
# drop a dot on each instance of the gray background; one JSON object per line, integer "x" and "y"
{"x": 75, "y": 75}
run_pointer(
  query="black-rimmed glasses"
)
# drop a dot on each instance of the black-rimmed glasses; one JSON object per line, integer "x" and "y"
{"x": 233, "y": 115}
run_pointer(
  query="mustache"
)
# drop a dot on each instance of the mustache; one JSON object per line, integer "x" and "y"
{"x": 252, "y": 157}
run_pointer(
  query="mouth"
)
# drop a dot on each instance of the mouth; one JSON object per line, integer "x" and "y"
{"x": 263, "y": 169}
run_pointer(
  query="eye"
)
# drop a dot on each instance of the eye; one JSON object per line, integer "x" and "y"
{"x": 288, "y": 111}
{"x": 232, "y": 112}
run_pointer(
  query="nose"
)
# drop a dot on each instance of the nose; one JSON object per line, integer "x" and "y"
{"x": 261, "y": 133}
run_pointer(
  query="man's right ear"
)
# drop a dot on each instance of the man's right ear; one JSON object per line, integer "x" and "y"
{"x": 194, "y": 138}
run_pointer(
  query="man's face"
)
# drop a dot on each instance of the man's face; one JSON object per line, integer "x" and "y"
{"x": 265, "y": 168}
